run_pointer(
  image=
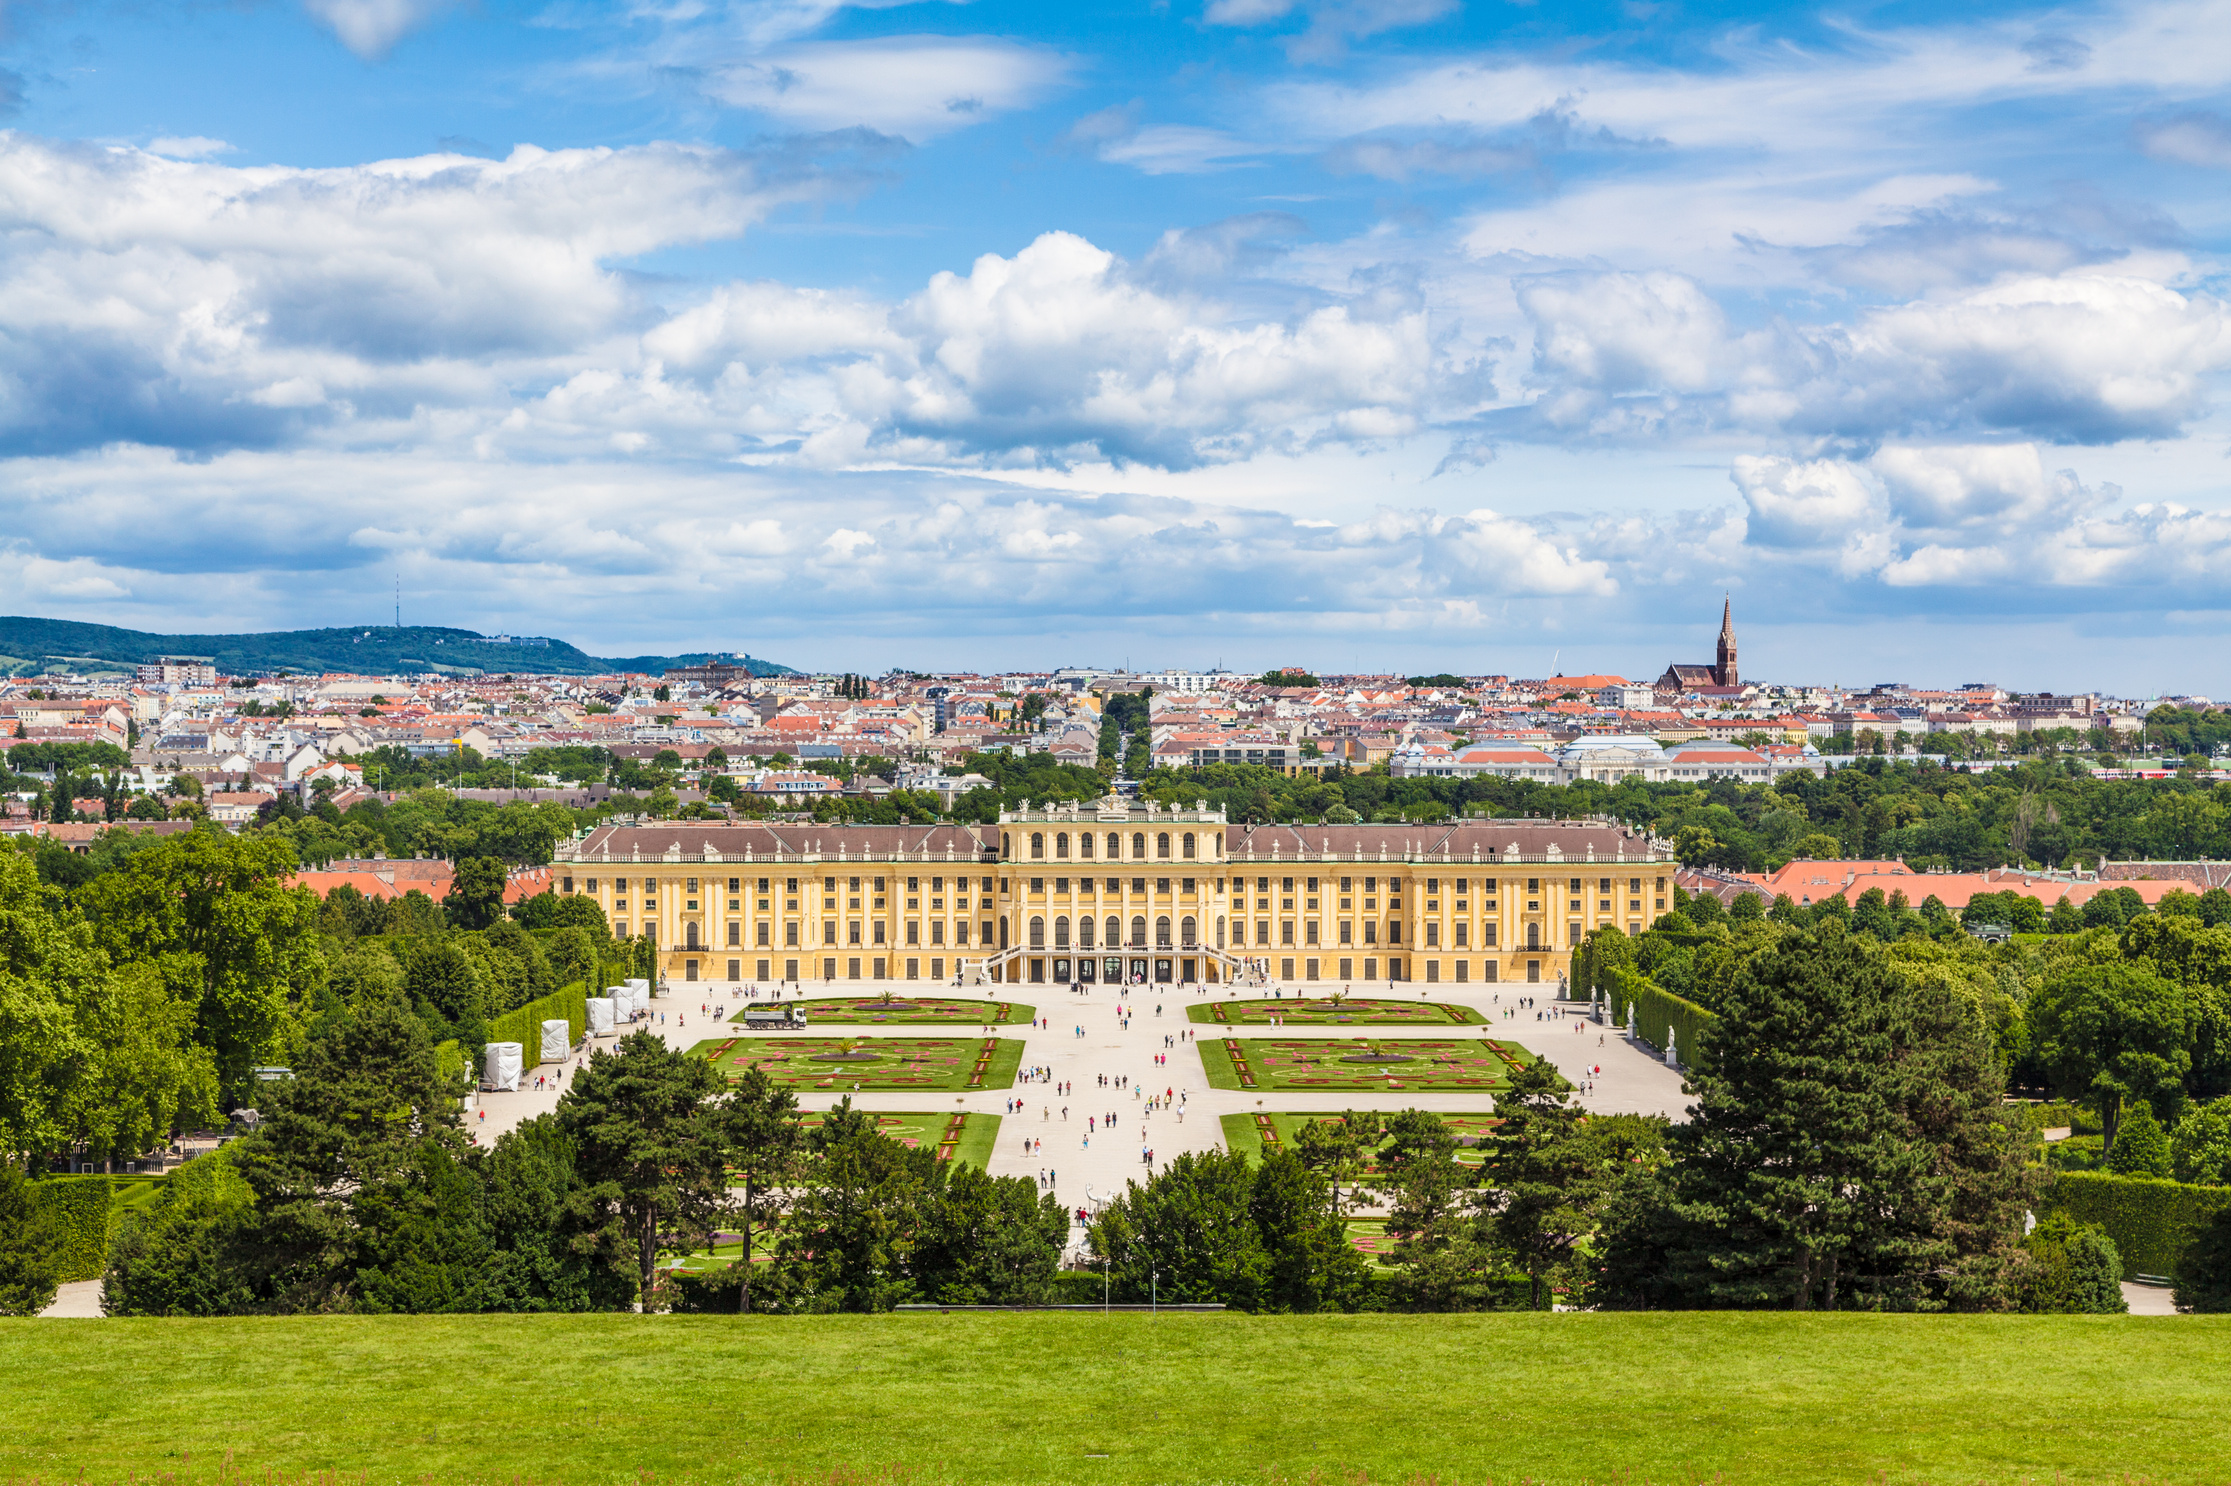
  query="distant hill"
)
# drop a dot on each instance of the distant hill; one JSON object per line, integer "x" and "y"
{"x": 29, "y": 646}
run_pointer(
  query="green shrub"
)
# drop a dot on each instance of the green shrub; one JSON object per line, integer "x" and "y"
{"x": 2151, "y": 1221}
{"x": 2141, "y": 1146}
{"x": 78, "y": 1207}
{"x": 2200, "y": 1146}
{"x": 30, "y": 1246}
{"x": 2203, "y": 1271}
{"x": 717, "y": 1292}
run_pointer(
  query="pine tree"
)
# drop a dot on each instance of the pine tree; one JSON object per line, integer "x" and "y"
{"x": 1541, "y": 1172}
{"x": 1794, "y": 1183}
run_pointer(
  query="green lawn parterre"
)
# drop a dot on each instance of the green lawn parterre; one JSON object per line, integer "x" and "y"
{"x": 951, "y": 1011}
{"x": 953, "y": 1065}
{"x": 1767, "y": 1399}
{"x": 1325, "y": 1011}
{"x": 1251, "y": 1134}
{"x": 1318, "y": 1064}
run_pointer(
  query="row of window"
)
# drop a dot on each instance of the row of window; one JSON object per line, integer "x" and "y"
{"x": 1188, "y": 845}
{"x": 1188, "y": 932}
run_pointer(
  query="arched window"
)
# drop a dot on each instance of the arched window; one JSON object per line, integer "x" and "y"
{"x": 1162, "y": 845}
{"x": 693, "y": 936}
{"x": 1533, "y": 936}
{"x": 1084, "y": 845}
{"x": 1061, "y": 845}
{"x": 1220, "y": 931}
{"x": 1138, "y": 846}
{"x": 1006, "y": 846}
{"x": 1189, "y": 846}
{"x": 1037, "y": 846}
{"x": 1115, "y": 846}
{"x": 1187, "y": 934}
{"x": 1115, "y": 932}
{"x": 1084, "y": 928}
{"x": 1138, "y": 933}
{"x": 1061, "y": 933}
{"x": 1037, "y": 932}
{"x": 1003, "y": 931}
{"x": 1162, "y": 932}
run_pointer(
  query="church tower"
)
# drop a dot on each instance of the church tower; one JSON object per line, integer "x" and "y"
{"x": 1725, "y": 670}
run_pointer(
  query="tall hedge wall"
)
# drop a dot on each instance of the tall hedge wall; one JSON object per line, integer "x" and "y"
{"x": 80, "y": 1206}
{"x": 2150, "y": 1219}
{"x": 1656, "y": 1010}
{"x": 524, "y": 1026}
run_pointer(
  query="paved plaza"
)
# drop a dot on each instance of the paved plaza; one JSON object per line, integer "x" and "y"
{"x": 1095, "y": 1054}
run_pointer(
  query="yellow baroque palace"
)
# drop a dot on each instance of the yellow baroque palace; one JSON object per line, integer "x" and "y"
{"x": 1118, "y": 891}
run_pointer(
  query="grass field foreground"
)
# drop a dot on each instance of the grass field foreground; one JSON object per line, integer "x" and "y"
{"x": 1736, "y": 1399}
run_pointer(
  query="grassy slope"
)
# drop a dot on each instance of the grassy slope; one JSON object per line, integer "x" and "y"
{"x": 1000, "y": 1073}
{"x": 1651, "y": 1398}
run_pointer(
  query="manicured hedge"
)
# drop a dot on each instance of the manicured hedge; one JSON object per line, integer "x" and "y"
{"x": 524, "y": 1026}
{"x": 2150, "y": 1219}
{"x": 79, "y": 1205}
{"x": 1655, "y": 1011}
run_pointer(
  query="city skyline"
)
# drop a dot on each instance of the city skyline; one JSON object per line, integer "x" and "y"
{"x": 1386, "y": 334}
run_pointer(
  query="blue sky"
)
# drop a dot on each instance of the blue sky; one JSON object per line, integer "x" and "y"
{"x": 1403, "y": 334}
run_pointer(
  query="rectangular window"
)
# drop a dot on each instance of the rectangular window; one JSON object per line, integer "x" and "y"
{"x": 882, "y": 969}
{"x": 937, "y": 967}
{"x": 879, "y": 931}
{"x": 1489, "y": 971}
{"x": 913, "y": 934}
{"x": 1285, "y": 969}
{"x": 852, "y": 968}
{"x": 828, "y": 969}
{"x": 937, "y": 933}
{"x": 1432, "y": 936}
{"x": 1262, "y": 931}
{"x": 1432, "y": 971}
{"x": 1286, "y": 935}
{"x": 1433, "y": 884}
{"x": 1487, "y": 936}
{"x": 763, "y": 939}
{"x": 1347, "y": 932}
{"x": 689, "y": 970}
{"x": 913, "y": 969}
{"x": 790, "y": 939}
{"x": 1463, "y": 935}
{"x": 1533, "y": 972}
{"x": 852, "y": 932}
{"x": 735, "y": 969}
{"x": 693, "y": 884}
{"x": 568, "y": 884}
{"x": 828, "y": 884}
{"x": 960, "y": 932}
{"x": 1309, "y": 932}
{"x": 1370, "y": 931}
{"x": 735, "y": 935}
{"x": 766, "y": 970}
{"x": 1347, "y": 969}
{"x": 1309, "y": 969}
{"x": 789, "y": 969}
{"x": 1370, "y": 969}
{"x": 1394, "y": 933}
{"x": 1463, "y": 971}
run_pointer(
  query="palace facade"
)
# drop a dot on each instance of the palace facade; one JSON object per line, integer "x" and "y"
{"x": 1118, "y": 890}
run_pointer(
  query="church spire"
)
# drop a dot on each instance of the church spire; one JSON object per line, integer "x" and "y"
{"x": 1725, "y": 670}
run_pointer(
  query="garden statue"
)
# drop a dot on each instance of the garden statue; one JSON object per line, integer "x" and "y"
{"x": 1672, "y": 1059}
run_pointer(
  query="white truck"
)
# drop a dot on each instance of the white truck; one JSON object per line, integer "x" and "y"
{"x": 780, "y": 1017}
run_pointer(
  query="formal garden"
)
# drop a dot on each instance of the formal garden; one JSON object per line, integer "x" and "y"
{"x": 953, "y": 1065}
{"x": 951, "y": 1011}
{"x": 1403, "y": 1065}
{"x": 1268, "y": 1130}
{"x": 1334, "y": 1010}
